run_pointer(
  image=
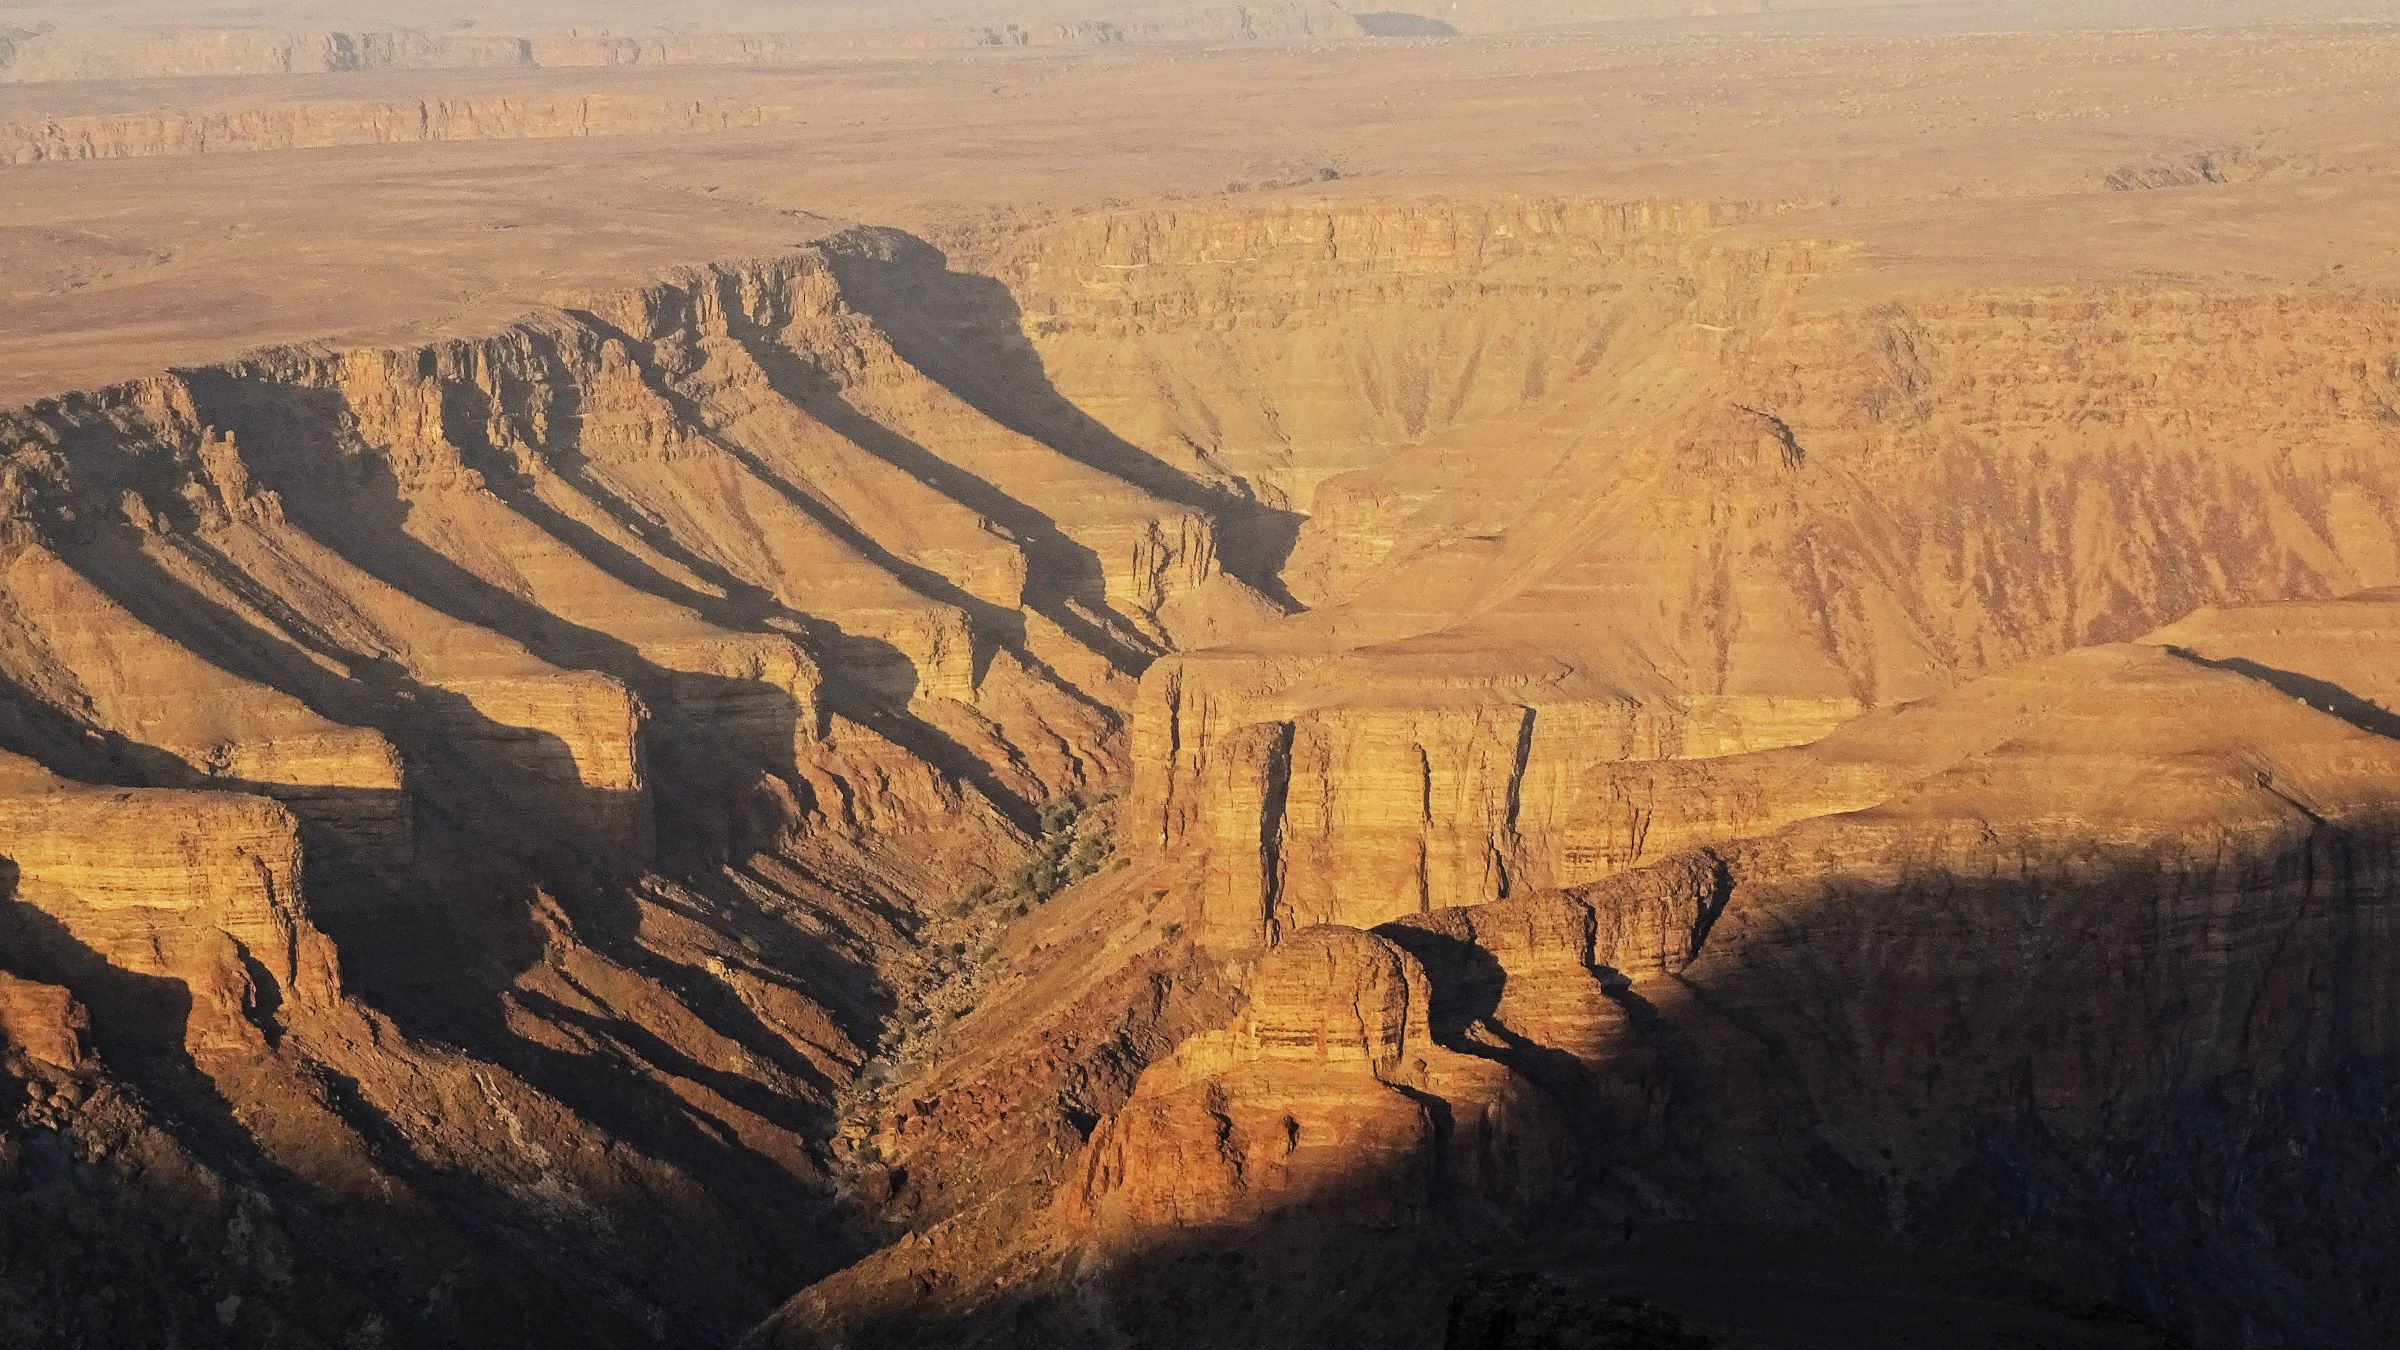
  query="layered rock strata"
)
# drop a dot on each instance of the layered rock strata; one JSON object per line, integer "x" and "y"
{"x": 2030, "y": 974}
{"x": 566, "y": 728}
{"x": 1715, "y": 507}
{"x": 661, "y": 714}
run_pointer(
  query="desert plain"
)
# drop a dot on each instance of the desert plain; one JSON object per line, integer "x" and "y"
{"x": 1533, "y": 674}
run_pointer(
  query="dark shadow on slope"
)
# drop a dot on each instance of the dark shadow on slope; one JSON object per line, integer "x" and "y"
{"x": 1394, "y": 24}
{"x": 138, "y": 1028}
{"x": 2323, "y": 695}
{"x": 466, "y": 776}
{"x": 828, "y": 964}
{"x": 1697, "y": 1286}
{"x": 966, "y": 333}
{"x": 868, "y": 679}
{"x": 1467, "y": 979}
{"x": 311, "y": 1251}
{"x": 442, "y": 951}
{"x": 464, "y": 410}
{"x": 1464, "y": 1006}
{"x": 363, "y": 522}
{"x": 570, "y": 461}
{"x": 2032, "y": 1066}
{"x": 294, "y": 440}
{"x": 40, "y": 732}
{"x": 1063, "y": 578}
{"x": 791, "y": 1114}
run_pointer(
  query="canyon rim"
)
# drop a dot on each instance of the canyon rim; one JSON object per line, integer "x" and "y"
{"x": 1633, "y": 674}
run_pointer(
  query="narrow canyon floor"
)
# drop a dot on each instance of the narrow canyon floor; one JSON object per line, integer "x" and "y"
{"x": 1531, "y": 675}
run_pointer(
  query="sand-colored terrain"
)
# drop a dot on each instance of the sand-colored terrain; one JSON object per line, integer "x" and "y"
{"x": 1199, "y": 675}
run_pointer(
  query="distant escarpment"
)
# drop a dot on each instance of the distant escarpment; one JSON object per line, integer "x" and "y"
{"x": 293, "y": 126}
{"x": 127, "y": 52}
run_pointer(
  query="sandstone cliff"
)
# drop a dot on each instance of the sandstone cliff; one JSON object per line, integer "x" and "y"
{"x": 1580, "y": 686}
{"x": 2063, "y": 970}
{"x": 1715, "y": 506}
{"x": 628, "y": 687}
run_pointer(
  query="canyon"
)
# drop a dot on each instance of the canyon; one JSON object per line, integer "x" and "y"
{"x": 625, "y": 722}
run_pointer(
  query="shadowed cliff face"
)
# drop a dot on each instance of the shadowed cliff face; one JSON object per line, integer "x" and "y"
{"x": 2104, "y": 1000}
{"x": 616, "y": 697}
{"x": 1191, "y": 751}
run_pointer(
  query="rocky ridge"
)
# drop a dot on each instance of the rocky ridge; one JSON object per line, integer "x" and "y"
{"x": 1467, "y": 656}
{"x": 589, "y": 726}
{"x": 2108, "y": 970}
{"x": 559, "y": 695}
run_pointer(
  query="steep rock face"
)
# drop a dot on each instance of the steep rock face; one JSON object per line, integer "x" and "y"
{"x": 1279, "y": 347}
{"x": 2070, "y": 961}
{"x": 640, "y": 682}
{"x": 71, "y": 648}
{"x": 42, "y": 1022}
{"x": 1748, "y": 511}
{"x": 1403, "y": 795}
{"x": 2140, "y": 399}
{"x": 197, "y": 557}
{"x": 202, "y": 889}
{"x": 1320, "y": 1096}
{"x": 169, "y": 993}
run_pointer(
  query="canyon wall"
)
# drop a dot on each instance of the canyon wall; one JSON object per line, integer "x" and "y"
{"x": 1552, "y": 656}
{"x": 1281, "y": 346}
{"x": 2064, "y": 992}
{"x": 1715, "y": 506}
{"x": 1754, "y": 755}
{"x": 506, "y": 775}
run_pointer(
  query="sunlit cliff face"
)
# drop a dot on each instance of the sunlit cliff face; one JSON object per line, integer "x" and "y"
{"x": 971, "y": 784}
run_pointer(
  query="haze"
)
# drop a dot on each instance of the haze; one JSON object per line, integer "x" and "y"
{"x": 1161, "y": 673}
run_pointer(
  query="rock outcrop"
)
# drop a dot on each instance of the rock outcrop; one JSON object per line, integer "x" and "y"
{"x": 1330, "y": 1091}
{"x": 637, "y": 789}
{"x": 2077, "y": 950}
{"x": 202, "y": 889}
{"x": 1714, "y": 512}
